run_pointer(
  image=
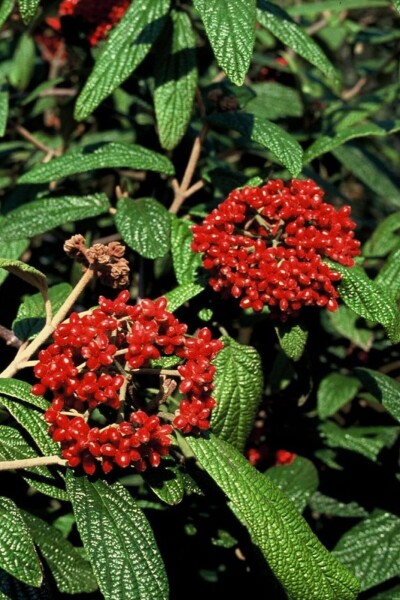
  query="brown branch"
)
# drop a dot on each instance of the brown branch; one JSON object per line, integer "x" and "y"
{"x": 28, "y": 463}
{"x": 29, "y": 137}
{"x": 9, "y": 337}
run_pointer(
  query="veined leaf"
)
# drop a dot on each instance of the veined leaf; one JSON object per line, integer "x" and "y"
{"x": 368, "y": 441}
{"x": 186, "y": 262}
{"x": 296, "y": 557}
{"x": 6, "y": 7}
{"x": 368, "y": 299}
{"x": 238, "y": 387}
{"x": 298, "y": 480}
{"x": 21, "y": 390}
{"x": 175, "y": 81}
{"x": 3, "y": 112}
{"x": 371, "y": 549}
{"x": 389, "y": 276}
{"x": 72, "y": 572}
{"x": 31, "y": 313}
{"x": 31, "y": 419}
{"x": 230, "y": 27}
{"x": 28, "y": 9}
{"x": 144, "y": 224}
{"x": 13, "y": 446}
{"x": 385, "y": 237}
{"x": 334, "y": 508}
{"x": 181, "y": 294}
{"x": 11, "y": 250}
{"x": 274, "y": 101}
{"x": 292, "y": 338}
{"x": 285, "y": 148}
{"x": 278, "y": 22}
{"x": 127, "y": 45}
{"x": 39, "y": 216}
{"x": 25, "y": 272}
{"x": 344, "y": 322}
{"x": 17, "y": 552}
{"x": 166, "y": 482}
{"x": 129, "y": 564}
{"x": 89, "y": 158}
{"x": 326, "y": 143}
{"x": 383, "y": 388}
{"x": 334, "y": 391}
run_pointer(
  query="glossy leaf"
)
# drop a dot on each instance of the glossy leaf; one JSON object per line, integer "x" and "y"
{"x": 344, "y": 321}
{"x": 295, "y": 556}
{"x": 31, "y": 313}
{"x": 230, "y": 27}
{"x": 106, "y": 156}
{"x": 326, "y": 143}
{"x": 21, "y": 390}
{"x": 298, "y": 480}
{"x": 368, "y": 441}
{"x": 25, "y": 272}
{"x": 175, "y": 81}
{"x": 127, "y": 45}
{"x": 279, "y": 23}
{"x": 371, "y": 549}
{"x": 144, "y": 224}
{"x": 186, "y": 262}
{"x": 238, "y": 388}
{"x": 334, "y": 391}
{"x": 382, "y": 387}
{"x": 39, "y": 216}
{"x": 17, "y": 552}
{"x": 181, "y": 294}
{"x": 72, "y": 573}
{"x": 166, "y": 482}
{"x": 334, "y": 508}
{"x": 13, "y": 446}
{"x": 285, "y": 148}
{"x": 129, "y": 564}
{"x": 292, "y": 338}
{"x": 28, "y": 9}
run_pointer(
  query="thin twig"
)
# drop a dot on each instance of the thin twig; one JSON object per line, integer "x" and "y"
{"x": 9, "y": 337}
{"x": 28, "y": 463}
{"x": 29, "y": 137}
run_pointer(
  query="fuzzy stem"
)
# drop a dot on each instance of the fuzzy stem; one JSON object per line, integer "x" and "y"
{"x": 28, "y": 463}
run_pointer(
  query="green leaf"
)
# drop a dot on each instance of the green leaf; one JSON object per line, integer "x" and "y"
{"x": 175, "y": 81}
{"x": 39, "y": 216}
{"x": 274, "y": 101}
{"x": 3, "y": 112}
{"x": 230, "y": 27}
{"x": 22, "y": 390}
{"x": 25, "y": 272}
{"x": 166, "y": 482}
{"x": 238, "y": 388}
{"x": 28, "y": 9}
{"x": 127, "y": 45}
{"x": 371, "y": 549}
{"x": 31, "y": 419}
{"x": 368, "y": 441}
{"x": 296, "y": 557}
{"x": 31, "y": 313}
{"x": 144, "y": 224}
{"x": 383, "y": 388}
{"x": 285, "y": 148}
{"x": 292, "y": 338}
{"x": 278, "y": 22}
{"x": 334, "y": 508}
{"x": 327, "y": 143}
{"x": 334, "y": 391}
{"x": 13, "y": 446}
{"x": 11, "y": 250}
{"x": 181, "y": 294}
{"x": 6, "y": 7}
{"x": 89, "y": 158}
{"x": 389, "y": 276}
{"x": 17, "y": 552}
{"x": 396, "y": 4}
{"x": 23, "y": 63}
{"x": 185, "y": 261}
{"x": 368, "y": 169}
{"x": 344, "y": 321}
{"x": 384, "y": 238}
{"x": 118, "y": 540}
{"x": 334, "y": 6}
{"x": 72, "y": 573}
{"x": 298, "y": 480}
{"x": 368, "y": 299}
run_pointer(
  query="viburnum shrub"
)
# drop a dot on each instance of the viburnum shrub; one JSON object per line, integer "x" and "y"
{"x": 199, "y": 291}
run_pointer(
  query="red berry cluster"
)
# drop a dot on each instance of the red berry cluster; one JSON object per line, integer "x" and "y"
{"x": 266, "y": 245}
{"x": 92, "y": 363}
{"x": 97, "y": 16}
